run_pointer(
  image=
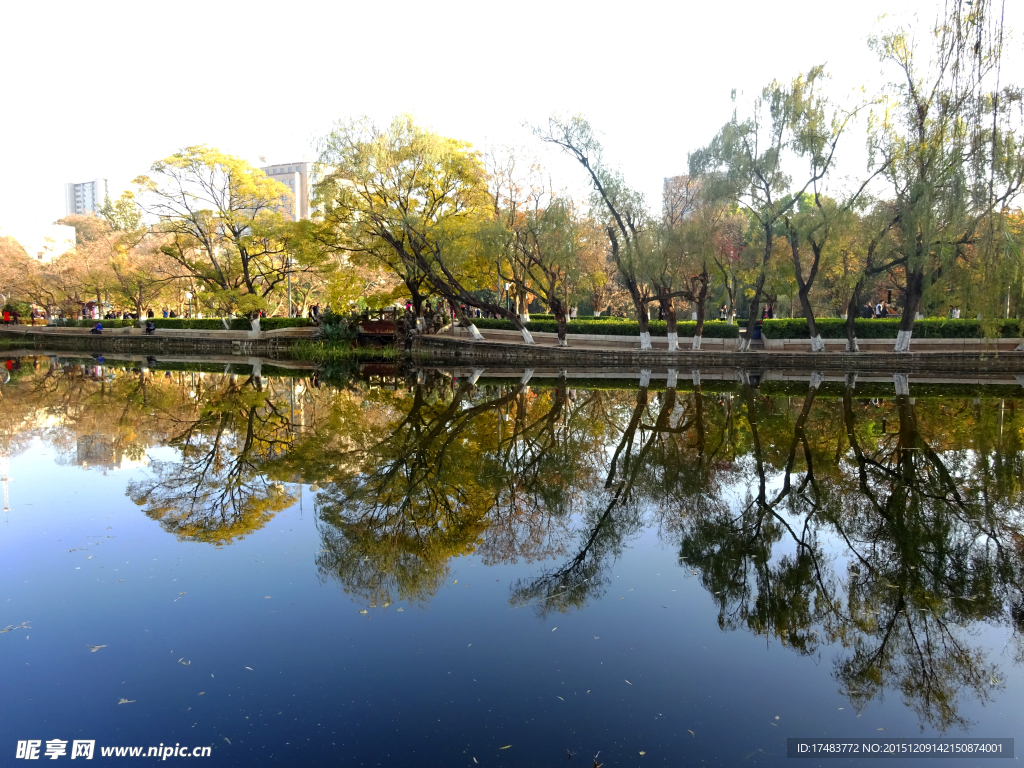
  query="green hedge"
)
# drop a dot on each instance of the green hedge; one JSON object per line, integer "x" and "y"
{"x": 581, "y": 318}
{"x": 196, "y": 324}
{"x": 106, "y": 323}
{"x": 273, "y": 323}
{"x": 835, "y": 328}
{"x": 714, "y": 329}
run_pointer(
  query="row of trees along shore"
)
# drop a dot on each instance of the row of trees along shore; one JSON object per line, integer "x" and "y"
{"x": 763, "y": 214}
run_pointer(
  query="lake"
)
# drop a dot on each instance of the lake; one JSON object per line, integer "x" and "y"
{"x": 463, "y": 568}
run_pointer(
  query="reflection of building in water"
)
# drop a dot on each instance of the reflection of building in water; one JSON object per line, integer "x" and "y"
{"x": 100, "y": 451}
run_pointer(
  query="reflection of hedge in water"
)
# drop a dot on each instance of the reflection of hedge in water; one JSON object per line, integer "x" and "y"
{"x": 832, "y": 389}
{"x": 657, "y": 385}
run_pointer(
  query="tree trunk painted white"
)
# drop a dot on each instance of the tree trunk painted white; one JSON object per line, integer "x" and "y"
{"x": 563, "y": 342}
{"x": 527, "y": 375}
{"x": 902, "y": 383}
{"x": 476, "y": 375}
{"x": 816, "y": 379}
{"x": 421, "y": 324}
{"x": 744, "y": 344}
{"x": 527, "y": 337}
{"x": 903, "y": 341}
{"x": 255, "y": 324}
{"x": 1020, "y": 379}
{"x": 673, "y": 378}
{"x": 645, "y": 340}
{"x": 257, "y": 367}
{"x": 474, "y": 332}
{"x": 524, "y": 317}
{"x": 696, "y": 342}
{"x": 855, "y": 347}
{"x": 696, "y": 378}
{"x": 851, "y": 380}
{"x": 645, "y": 377}
{"x": 597, "y": 313}
{"x": 673, "y": 342}
{"x": 817, "y": 343}
{"x": 1019, "y": 347}
{"x": 421, "y": 378}
{"x": 224, "y": 322}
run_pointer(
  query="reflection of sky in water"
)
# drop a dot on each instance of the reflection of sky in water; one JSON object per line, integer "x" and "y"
{"x": 642, "y": 667}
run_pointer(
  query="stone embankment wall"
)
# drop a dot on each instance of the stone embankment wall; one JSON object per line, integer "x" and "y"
{"x": 163, "y": 341}
{"x": 451, "y": 350}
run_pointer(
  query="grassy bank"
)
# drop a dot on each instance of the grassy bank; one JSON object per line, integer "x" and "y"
{"x": 328, "y": 352}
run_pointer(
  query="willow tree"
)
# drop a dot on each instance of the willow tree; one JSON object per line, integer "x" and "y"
{"x": 548, "y": 246}
{"x": 745, "y": 161}
{"x": 624, "y": 210}
{"x": 950, "y": 138}
{"x": 225, "y": 226}
{"x": 415, "y": 200}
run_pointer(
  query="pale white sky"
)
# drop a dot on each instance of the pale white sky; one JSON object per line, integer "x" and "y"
{"x": 102, "y": 88}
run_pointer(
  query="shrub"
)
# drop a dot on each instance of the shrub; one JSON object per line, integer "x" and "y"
{"x": 714, "y": 329}
{"x": 274, "y": 323}
{"x": 835, "y": 328}
{"x": 192, "y": 323}
{"x": 106, "y": 323}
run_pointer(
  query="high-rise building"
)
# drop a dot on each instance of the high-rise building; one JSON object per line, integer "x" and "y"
{"x": 297, "y": 177}
{"x": 86, "y": 197}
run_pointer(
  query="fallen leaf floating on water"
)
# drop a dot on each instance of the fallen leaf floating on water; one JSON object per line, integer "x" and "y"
{"x": 776, "y": 717}
{"x": 509, "y": 746}
{"x": 126, "y": 701}
{"x": 201, "y": 693}
{"x": 249, "y": 668}
{"x": 476, "y": 761}
{"x": 363, "y": 611}
{"x": 399, "y": 609}
{"x": 184, "y": 663}
{"x": 554, "y": 628}
{"x": 561, "y": 698}
{"x": 94, "y": 648}
{"x": 628, "y": 682}
{"x": 879, "y": 729}
{"x": 227, "y": 739}
{"x": 642, "y": 752}
{"x": 692, "y": 733}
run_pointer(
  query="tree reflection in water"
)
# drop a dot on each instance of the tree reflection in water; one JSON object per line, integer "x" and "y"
{"x": 884, "y": 532}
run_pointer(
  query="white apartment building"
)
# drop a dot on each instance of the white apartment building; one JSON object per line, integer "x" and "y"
{"x": 295, "y": 176}
{"x": 86, "y": 197}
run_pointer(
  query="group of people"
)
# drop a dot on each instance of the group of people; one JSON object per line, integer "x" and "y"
{"x": 881, "y": 309}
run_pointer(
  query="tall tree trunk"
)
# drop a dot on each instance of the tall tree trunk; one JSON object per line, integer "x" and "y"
{"x": 698, "y": 332}
{"x": 755, "y": 302}
{"x": 643, "y": 320}
{"x": 559, "y": 311}
{"x": 852, "y": 311}
{"x": 804, "y": 286}
{"x": 669, "y": 311}
{"x": 915, "y": 290}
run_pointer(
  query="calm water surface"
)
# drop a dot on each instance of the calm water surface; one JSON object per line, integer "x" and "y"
{"x": 432, "y": 572}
